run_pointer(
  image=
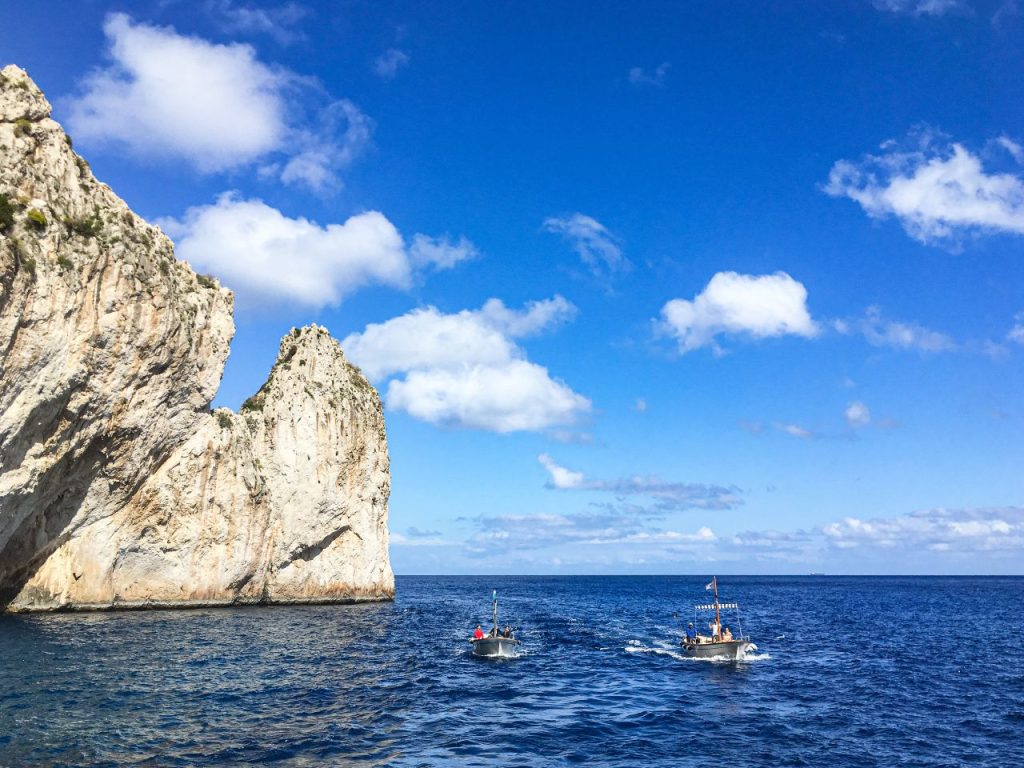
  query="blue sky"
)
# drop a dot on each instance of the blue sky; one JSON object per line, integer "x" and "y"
{"x": 647, "y": 288}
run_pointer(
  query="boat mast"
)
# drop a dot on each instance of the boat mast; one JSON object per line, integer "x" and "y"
{"x": 718, "y": 620}
{"x": 494, "y": 597}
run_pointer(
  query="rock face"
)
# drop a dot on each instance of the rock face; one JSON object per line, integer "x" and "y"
{"x": 118, "y": 486}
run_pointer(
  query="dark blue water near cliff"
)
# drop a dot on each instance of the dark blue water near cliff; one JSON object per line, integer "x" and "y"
{"x": 849, "y": 672}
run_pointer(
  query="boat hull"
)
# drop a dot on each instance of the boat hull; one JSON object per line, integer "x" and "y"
{"x": 495, "y": 646}
{"x": 730, "y": 649}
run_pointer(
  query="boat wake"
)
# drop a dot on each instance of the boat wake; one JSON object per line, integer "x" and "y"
{"x": 664, "y": 649}
{"x": 635, "y": 646}
{"x": 751, "y": 654}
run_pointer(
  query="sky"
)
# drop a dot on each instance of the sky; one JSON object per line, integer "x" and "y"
{"x": 658, "y": 287}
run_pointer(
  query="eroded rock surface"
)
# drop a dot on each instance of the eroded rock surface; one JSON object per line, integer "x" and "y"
{"x": 118, "y": 486}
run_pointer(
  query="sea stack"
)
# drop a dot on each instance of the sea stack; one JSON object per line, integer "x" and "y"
{"x": 119, "y": 488}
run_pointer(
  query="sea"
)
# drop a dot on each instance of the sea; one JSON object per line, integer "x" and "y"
{"x": 848, "y": 671}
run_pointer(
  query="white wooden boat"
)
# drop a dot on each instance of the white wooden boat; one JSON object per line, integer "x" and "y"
{"x": 719, "y": 640}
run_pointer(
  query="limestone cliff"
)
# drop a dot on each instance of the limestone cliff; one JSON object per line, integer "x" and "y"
{"x": 118, "y": 486}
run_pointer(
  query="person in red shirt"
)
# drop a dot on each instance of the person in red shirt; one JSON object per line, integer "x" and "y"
{"x": 478, "y": 634}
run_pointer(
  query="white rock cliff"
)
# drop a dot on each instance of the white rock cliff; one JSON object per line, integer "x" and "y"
{"x": 118, "y": 486}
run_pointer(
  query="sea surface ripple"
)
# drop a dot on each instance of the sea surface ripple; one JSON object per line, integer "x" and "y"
{"x": 849, "y": 672}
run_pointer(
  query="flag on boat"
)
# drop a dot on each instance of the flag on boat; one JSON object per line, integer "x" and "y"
{"x": 709, "y": 585}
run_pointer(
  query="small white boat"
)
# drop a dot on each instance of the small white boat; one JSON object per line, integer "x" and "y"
{"x": 719, "y": 641}
{"x": 495, "y": 643}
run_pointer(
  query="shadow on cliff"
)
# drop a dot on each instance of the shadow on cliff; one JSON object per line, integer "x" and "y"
{"x": 48, "y": 525}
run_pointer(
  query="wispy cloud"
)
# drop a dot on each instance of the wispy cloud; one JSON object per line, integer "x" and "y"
{"x": 755, "y": 306}
{"x": 633, "y": 536}
{"x": 599, "y": 527}
{"x": 386, "y": 65}
{"x": 1005, "y": 14}
{"x": 639, "y": 76}
{"x": 941, "y": 535}
{"x": 795, "y": 430}
{"x": 441, "y": 252}
{"x": 278, "y": 22}
{"x": 920, "y": 7}
{"x": 939, "y": 191}
{"x": 1016, "y": 333}
{"x": 962, "y": 531}
{"x": 598, "y": 248}
{"x": 340, "y": 133}
{"x": 667, "y": 495}
{"x": 880, "y": 331}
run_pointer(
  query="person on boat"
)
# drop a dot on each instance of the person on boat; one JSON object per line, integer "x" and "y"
{"x": 716, "y": 630}
{"x": 691, "y": 633}
{"x": 727, "y": 634}
{"x": 478, "y": 633}
{"x": 507, "y": 632}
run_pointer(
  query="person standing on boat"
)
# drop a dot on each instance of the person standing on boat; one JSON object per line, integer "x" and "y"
{"x": 716, "y": 630}
{"x": 691, "y": 633}
{"x": 478, "y": 633}
{"x": 507, "y": 632}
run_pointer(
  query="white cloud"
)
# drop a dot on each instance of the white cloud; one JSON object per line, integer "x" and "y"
{"x": 214, "y": 106}
{"x": 919, "y": 7}
{"x": 758, "y": 306}
{"x": 640, "y": 406}
{"x": 594, "y": 244}
{"x": 561, "y": 477}
{"x": 441, "y": 252}
{"x": 938, "y": 191}
{"x": 181, "y": 96}
{"x": 881, "y": 332}
{"x": 640, "y": 76}
{"x": 857, "y": 414}
{"x": 426, "y": 338}
{"x": 267, "y": 256}
{"x": 388, "y": 63}
{"x": 512, "y": 397}
{"x": 466, "y": 370}
{"x": 668, "y": 495}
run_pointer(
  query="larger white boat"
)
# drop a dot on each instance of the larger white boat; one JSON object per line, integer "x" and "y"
{"x": 719, "y": 640}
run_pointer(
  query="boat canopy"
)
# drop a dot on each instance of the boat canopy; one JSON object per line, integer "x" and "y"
{"x": 717, "y": 606}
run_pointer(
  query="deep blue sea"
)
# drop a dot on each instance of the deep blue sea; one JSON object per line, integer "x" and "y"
{"x": 848, "y": 672}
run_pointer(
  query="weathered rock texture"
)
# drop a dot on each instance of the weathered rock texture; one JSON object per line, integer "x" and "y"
{"x": 118, "y": 486}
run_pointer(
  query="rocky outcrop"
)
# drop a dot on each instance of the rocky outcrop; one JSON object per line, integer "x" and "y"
{"x": 118, "y": 486}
